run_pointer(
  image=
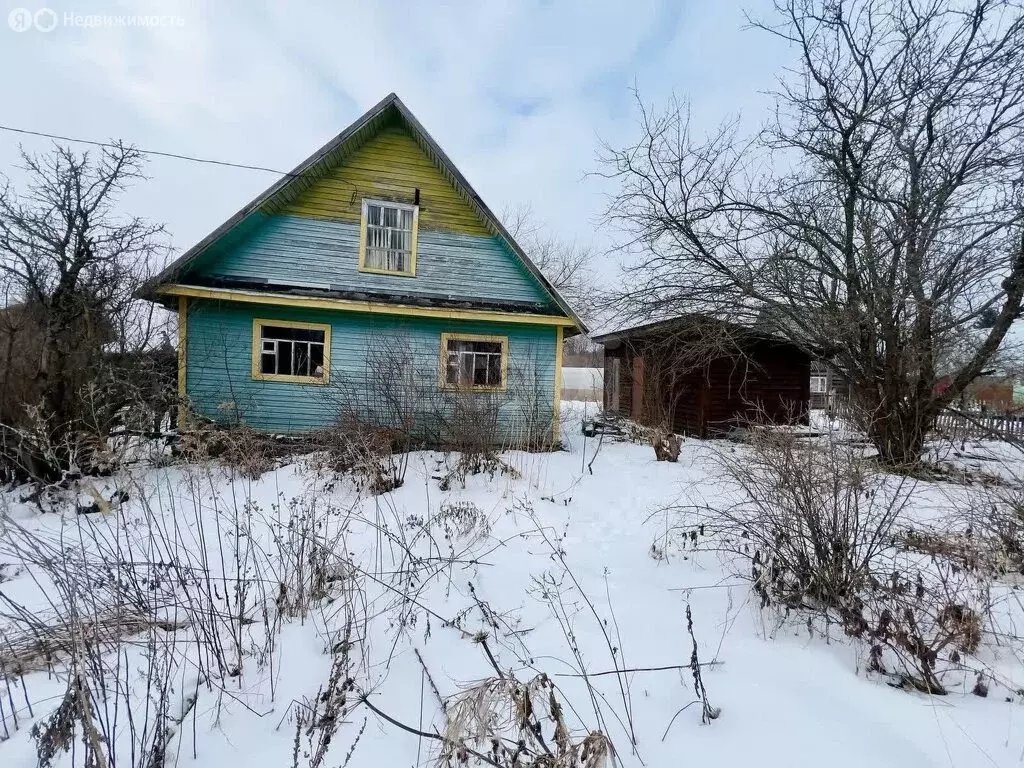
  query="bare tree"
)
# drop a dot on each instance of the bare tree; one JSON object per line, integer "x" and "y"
{"x": 876, "y": 218}
{"x": 566, "y": 264}
{"x": 69, "y": 269}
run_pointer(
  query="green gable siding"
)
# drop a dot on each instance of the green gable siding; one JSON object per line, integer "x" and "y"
{"x": 219, "y": 381}
{"x": 391, "y": 165}
{"x": 322, "y": 253}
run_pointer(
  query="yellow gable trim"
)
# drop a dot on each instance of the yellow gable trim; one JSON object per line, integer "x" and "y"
{"x": 371, "y": 307}
{"x": 390, "y": 166}
{"x": 182, "y": 359}
{"x": 556, "y": 424}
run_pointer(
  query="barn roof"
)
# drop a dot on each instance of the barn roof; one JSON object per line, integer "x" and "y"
{"x": 757, "y": 330}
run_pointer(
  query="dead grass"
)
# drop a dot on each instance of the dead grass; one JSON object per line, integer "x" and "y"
{"x": 241, "y": 448}
{"x": 504, "y": 718}
{"x": 42, "y": 645}
{"x": 986, "y": 555}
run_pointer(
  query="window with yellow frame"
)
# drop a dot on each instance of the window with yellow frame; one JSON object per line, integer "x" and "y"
{"x": 288, "y": 351}
{"x": 387, "y": 238}
{"x": 473, "y": 362}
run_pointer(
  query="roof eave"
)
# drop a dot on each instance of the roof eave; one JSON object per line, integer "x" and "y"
{"x": 488, "y": 214}
{"x": 175, "y": 268}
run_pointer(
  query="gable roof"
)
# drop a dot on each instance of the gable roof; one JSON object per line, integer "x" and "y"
{"x": 292, "y": 184}
{"x": 758, "y": 331}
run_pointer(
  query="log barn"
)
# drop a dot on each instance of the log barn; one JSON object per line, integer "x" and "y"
{"x": 704, "y": 377}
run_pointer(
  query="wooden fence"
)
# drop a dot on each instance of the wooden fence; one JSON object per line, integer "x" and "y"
{"x": 967, "y": 425}
{"x": 968, "y": 421}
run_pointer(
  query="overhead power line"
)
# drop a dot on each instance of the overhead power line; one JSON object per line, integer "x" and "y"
{"x": 174, "y": 155}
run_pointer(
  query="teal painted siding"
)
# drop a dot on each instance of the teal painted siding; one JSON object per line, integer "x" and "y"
{"x": 322, "y": 253}
{"x": 219, "y": 379}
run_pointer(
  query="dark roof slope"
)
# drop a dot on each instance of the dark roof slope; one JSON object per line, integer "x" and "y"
{"x": 694, "y": 320}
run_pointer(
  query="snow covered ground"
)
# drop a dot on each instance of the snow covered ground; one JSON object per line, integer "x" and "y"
{"x": 558, "y": 575}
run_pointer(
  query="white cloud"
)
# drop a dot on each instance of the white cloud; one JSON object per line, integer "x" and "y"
{"x": 517, "y": 93}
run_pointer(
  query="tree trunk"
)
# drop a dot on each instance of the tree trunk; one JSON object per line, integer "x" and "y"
{"x": 899, "y": 435}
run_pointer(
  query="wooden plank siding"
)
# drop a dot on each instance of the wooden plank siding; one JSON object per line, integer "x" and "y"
{"x": 624, "y": 355}
{"x": 318, "y": 253}
{"x": 391, "y": 166}
{"x": 774, "y": 378}
{"x": 220, "y": 384}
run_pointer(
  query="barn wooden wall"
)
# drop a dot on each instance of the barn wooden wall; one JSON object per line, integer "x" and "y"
{"x": 774, "y": 378}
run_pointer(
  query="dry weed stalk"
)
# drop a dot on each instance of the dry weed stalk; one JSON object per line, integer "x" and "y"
{"x": 504, "y": 718}
{"x": 318, "y": 720}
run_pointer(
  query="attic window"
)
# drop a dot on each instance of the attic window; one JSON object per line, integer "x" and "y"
{"x": 388, "y": 238}
{"x": 474, "y": 363}
{"x": 291, "y": 352}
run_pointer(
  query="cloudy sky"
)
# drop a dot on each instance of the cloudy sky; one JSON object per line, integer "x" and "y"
{"x": 519, "y": 93}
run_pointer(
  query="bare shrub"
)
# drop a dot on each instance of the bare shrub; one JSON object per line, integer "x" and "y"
{"x": 814, "y": 527}
{"x": 376, "y": 458}
{"x": 918, "y": 620}
{"x": 996, "y": 514}
{"x": 382, "y": 412}
{"x": 528, "y": 421}
{"x": 471, "y": 422}
{"x": 397, "y": 404}
{"x": 241, "y": 449}
{"x": 812, "y": 518}
{"x": 983, "y": 534}
{"x": 982, "y": 555}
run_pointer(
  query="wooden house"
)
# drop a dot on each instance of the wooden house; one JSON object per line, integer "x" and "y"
{"x": 372, "y": 267}
{"x": 830, "y": 389}
{"x": 704, "y": 377}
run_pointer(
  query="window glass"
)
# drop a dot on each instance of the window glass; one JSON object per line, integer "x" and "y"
{"x": 388, "y": 237}
{"x": 288, "y": 351}
{"x": 472, "y": 363}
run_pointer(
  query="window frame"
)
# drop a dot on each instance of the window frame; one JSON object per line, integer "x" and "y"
{"x": 473, "y": 388}
{"x": 257, "y": 351}
{"x": 824, "y": 384}
{"x": 363, "y": 222}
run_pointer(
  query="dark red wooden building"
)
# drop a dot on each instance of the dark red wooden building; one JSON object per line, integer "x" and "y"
{"x": 703, "y": 376}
